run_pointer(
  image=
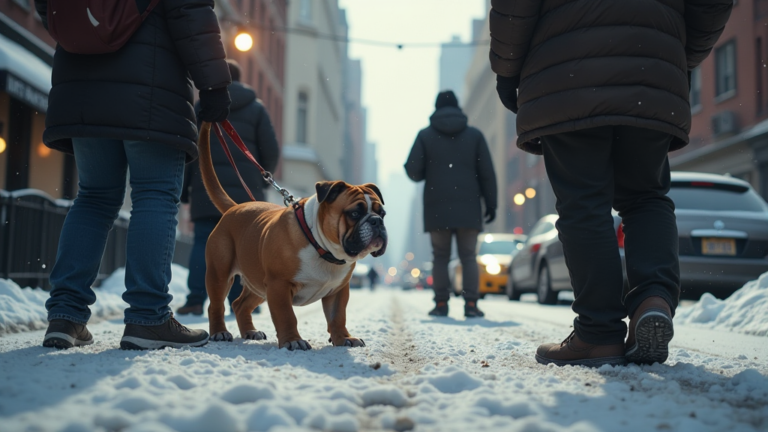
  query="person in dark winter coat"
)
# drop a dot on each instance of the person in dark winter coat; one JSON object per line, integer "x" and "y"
{"x": 131, "y": 110}
{"x": 601, "y": 90}
{"x": 455, "y": 161}
{"x": 251, "y": 121}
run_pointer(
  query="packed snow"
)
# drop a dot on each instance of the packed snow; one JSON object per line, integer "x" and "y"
{"x": 416, "y": 373}
{"x": 745, "y": 311}
{"x": 23, "y": 309}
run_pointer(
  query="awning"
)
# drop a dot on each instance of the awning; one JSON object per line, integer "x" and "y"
{"x": 23, "y": 75}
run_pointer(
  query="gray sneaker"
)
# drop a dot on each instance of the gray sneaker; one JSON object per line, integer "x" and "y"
{"x": 169, "y": 334}
{"x": 63, "y": 334}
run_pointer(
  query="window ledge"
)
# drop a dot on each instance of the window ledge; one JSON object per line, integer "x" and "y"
{"x": 725, "y": 96}
{"x": 696, "y": 109}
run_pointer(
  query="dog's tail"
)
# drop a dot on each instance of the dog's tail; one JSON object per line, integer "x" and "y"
{"x": 218, "y": 196}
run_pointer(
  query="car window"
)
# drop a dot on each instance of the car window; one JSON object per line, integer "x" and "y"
{"x": 498, "y": 247}
{"x": 700, "y": 198}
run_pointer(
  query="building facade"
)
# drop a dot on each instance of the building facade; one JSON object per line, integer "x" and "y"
{"x": 26, "y": 57}
{"x": 355, "y": 137}
{"x": 729, "y": 129}
{"x": 455, "y": 57}
{"x": 314, "y": 107}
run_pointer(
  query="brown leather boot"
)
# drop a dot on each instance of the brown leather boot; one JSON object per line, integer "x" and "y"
{"x": 194, "y": 309}
{"x": 575, "y": 352}
{"x": 650, "y": 331}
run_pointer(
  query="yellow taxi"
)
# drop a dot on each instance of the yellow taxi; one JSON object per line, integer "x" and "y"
{"x": 494, "y": 255}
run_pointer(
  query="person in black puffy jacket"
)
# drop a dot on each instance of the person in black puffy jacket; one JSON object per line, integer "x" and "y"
{"x": 600, "y": 88}
{"x": 129, "y": 115}
{"x": 251, "y": 121}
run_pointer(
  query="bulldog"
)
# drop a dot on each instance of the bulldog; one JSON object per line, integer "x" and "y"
{"x": 289, "y": 257}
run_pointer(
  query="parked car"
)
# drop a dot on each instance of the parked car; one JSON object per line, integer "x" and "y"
{"x": 540, "y": 267}
{"x": 722, "y": 226}
{"x": 494, "y": 254}
{"x": 359, "y": 277}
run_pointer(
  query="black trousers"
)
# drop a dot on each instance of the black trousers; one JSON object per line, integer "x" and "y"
{"x": 466, "y": 243}
{"x": 624, "y": 168}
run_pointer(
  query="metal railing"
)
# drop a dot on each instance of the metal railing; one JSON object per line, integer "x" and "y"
{"x": 29, "y": 238}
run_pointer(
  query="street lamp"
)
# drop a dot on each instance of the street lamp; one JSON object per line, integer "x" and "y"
{"x": 519, "y": 199}
{"x": 243, "y": 41}
{"x": 530, "y": 193}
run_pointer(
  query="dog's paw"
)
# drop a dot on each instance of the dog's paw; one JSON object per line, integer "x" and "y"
{"x": 223, "y": 336}
{"x": 348, "y": 342}
{"x": 254, "y": 335}
{"x": 297, "y": 345}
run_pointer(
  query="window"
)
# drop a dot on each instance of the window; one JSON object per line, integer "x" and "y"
{"x": 701, "y": 198}
{"x": 725, "y": 70}
{"x": 695, "y": 96}
{"x": 305, "y": 10}
{"x": 301, "y": 118}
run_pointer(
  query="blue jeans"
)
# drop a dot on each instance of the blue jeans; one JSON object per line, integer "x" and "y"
{"x": 196, "y": 280}
{"x": 156, "y": 174}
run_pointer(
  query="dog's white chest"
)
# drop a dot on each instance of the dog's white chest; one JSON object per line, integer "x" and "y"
{"x": 316, "y": 278}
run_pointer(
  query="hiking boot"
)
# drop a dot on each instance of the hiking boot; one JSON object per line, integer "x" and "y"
{"x": 194, "y": 309}
{"x": 169, "y": 334}
{"x": 440, "y": 310}
{"x": 471, "y": 310}
{"x": 63, "y": 334}
{"x": 575, "y": 352}
{"x": 650, "y": 331}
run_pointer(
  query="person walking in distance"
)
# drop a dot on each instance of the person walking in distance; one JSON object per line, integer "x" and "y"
{"x": 131, "y": 110}
{"x": 454, "y": 160}
{"x": 251, "y": 120}
{"x": 373, "y": 277}
{"x": 601, "y": 88}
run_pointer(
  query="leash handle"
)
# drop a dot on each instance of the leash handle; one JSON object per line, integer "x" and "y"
{"x": 288, "y": 198}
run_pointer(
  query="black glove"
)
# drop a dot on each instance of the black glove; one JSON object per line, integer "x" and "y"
{"x": 214, "y": 105}
{"x": 507, "y": 89}
{"x": 490, "y": 214}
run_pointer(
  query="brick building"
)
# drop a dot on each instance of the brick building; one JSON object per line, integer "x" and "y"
{"x": 729, "y": 132}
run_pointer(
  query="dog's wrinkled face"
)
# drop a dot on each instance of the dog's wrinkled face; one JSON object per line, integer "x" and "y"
{"x": 353, "y": 218}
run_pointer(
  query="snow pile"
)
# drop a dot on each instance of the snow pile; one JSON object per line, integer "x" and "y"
{"x": 745, "y": 311}
{"x": 23, "y": 309}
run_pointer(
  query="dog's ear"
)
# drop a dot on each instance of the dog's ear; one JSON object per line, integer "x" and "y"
{"x": 328, "y": 191}
{"x": 375, "y": 190}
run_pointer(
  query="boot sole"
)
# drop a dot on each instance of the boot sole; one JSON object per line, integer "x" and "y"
{"x": 63, "y": 341}
{"x": 135, "y": 343}
{"x": 653, "y": 332}
{"x": 593, "y": 363}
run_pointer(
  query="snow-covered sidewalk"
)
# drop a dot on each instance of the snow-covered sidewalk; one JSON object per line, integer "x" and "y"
{"x": 420, "y": 373}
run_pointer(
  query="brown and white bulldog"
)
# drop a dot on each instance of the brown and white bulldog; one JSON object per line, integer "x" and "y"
{"x": 264, "y": 243}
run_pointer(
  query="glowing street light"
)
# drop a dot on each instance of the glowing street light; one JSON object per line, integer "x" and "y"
{"x": 519, "y": 199}
{"x": 530, "y": 193}
{"x": 409, "y": 256}
{"x": 243, "y": 41}
{"x": 415, "y": 272}
{"x": 3, "y": 146}
{"x": 392, "y": 271}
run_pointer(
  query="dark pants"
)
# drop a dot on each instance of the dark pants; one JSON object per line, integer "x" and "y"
{"x": 624, "y": 168}
{"x": 196, "y": 280}
{"x": 466, "y": 242}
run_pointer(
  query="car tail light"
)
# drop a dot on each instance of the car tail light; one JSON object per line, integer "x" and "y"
{"x": 429, "y": 280}
{"x": 702, "y": 184}
{"x": 620, "y": 235}
{"x": 535, "y": 248}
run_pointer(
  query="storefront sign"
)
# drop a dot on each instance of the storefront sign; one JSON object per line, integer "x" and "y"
{"x": 24, "y": 92}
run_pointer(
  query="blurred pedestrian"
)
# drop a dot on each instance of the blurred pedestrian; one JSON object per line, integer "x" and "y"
{"x": 131, "y": 110}
{"x": 251, "y": 120}
{"x": 373, "y": 277}
{"x": 455, "y": 161}
{"x": 602, "y": 90}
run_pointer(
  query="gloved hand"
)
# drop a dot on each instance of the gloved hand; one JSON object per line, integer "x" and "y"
{"x": 507, "y": 89}
{"x": 214, "y": 105}
{"x": 490, "y": 214}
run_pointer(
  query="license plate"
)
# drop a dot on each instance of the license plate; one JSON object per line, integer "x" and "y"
{"x": 718, "y": 246}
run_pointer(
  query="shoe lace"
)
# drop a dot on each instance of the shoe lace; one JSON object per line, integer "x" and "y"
{"x": 178, "y": 326}
{"x": 568, "y": 339}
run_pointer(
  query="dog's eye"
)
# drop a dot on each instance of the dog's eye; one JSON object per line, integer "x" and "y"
{"x": 354, "y": 214}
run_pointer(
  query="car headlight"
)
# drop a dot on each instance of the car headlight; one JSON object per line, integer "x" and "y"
{"x": 493, "y": 268}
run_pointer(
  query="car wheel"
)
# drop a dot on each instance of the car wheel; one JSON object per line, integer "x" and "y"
{"x": 513, "y": 294}
{"x": 544, "y": 289}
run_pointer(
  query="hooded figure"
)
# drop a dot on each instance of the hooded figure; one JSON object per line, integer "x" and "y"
{"x": 455, "y": 161}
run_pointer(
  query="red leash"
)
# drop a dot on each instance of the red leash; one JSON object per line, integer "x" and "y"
{"x": 232, "y": 133}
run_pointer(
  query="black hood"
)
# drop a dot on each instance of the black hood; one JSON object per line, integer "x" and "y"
{"x": 448, "y": 120}
{"x": 241, "y": 95}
